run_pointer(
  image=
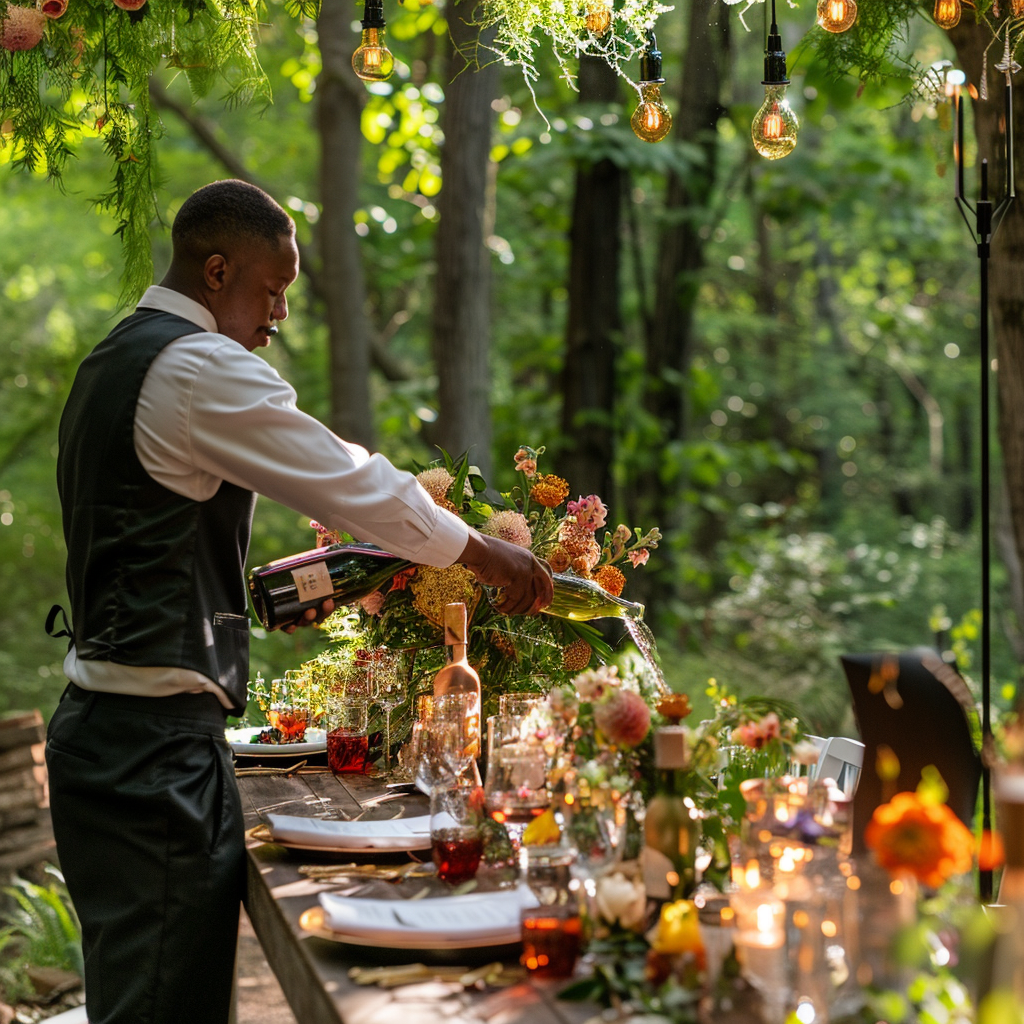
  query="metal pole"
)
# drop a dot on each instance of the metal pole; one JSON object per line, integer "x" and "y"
{"x": 984, "y": 228}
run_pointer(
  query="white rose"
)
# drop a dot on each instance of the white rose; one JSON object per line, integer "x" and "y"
{"x": 622, "y": 899}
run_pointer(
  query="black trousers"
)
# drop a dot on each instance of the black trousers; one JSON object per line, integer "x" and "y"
{"x": 149, "y": 833}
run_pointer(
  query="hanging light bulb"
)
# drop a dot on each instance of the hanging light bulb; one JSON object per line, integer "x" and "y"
{"x": 947, "y": 13}
{"x": 652, "y": 120}
{"x": 599, "y": 16}
{"x": 775, "y": 126}
{"x": 373, "y": 61}
{"x": 836, "y": 15}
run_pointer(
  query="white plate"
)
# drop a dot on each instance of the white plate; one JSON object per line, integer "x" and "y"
{"x": 372, "y": 836}
{"x": 314, "y": 743}
{"x": 312, "y": 922}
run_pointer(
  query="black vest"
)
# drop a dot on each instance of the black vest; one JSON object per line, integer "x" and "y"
{"x": 154, "y": 578}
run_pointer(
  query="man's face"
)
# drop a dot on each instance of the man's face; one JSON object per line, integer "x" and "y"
{"x": 248, "y": 290}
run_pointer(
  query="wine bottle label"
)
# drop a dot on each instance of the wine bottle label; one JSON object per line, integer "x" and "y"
{"x": 313, "y": 582}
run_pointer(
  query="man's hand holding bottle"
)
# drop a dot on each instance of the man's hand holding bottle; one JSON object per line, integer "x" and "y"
{"x": 525, "y": 581}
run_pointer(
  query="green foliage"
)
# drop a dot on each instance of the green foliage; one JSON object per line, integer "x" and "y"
{"x": 89, "y": 79}
{"x": 42, "y": 931}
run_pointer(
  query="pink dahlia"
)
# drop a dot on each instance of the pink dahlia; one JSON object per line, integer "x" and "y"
{"x": 510, "y": 526}
{"x": 591, "y": 512}
{"x": 623, "y": 717}
{"x": 21, "y": 28}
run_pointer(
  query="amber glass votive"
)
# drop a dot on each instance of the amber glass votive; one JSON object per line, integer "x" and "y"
{"x": 552, "y": 937}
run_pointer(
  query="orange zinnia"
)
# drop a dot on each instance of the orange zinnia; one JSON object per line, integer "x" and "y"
{"x": 910, "y": 834}
{"x": 549, "y": 491}
{"x": 611, "y": 579}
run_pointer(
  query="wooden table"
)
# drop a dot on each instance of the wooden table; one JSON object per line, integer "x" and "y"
{"x": 313, "y": 971}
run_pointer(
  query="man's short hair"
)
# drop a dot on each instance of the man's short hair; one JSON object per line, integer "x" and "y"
{"x": 216, "y": 217}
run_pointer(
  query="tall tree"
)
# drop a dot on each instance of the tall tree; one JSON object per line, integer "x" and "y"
{"x": 460, "y": 328}
{"x": 1006, "y": 287}
{"x": 669, "y": 340}
{"x": 595, "y": 319}
{"x": 341, "y": 96}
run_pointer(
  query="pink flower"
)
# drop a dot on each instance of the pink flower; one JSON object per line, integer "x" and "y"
{"x": 372, "y": 603}
{"x": 623, "y": 717}
{"x": 638, "y": 557}
{"x": 525, "y": 464}
{"x": 591, "y": 512}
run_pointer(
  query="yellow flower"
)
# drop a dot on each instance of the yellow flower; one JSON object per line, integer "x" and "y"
{"x": 923, "y": 838}
{"x": 434, "y": 588}
{"x": 677, "y": 930}
{"x": 543, "y": 830}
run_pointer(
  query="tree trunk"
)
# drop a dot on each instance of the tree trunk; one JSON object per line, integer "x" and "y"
{"x": 460, "y": 331}
{"x": 594, "y": 320}
{"x": 340, "y": 99}
{"x": 1006, "y": 281}
{"x": 681, "y": 258}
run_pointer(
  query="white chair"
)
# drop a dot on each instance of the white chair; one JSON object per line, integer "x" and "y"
{"x": 841, "y": 759}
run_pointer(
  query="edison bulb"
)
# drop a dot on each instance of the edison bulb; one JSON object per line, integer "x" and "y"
{"x": 651, "y": 120}
{"x": 599, "y": 17}
{"x": 836, "y": 15}
{"x": 775, "y": 126}
{"x": 373, "y": 61}
{"x": 947, "y": 13}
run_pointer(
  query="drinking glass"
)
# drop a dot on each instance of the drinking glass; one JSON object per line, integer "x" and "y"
{"x": 289, "y": 709}
{"x": 388, "y": 685}
{"x": 456, "y": 722}
{"x": 456, "y": 833}
{"x": 552, "y": 930}
{"x": 347, "y": 742}
{"x": 517, "y": 766}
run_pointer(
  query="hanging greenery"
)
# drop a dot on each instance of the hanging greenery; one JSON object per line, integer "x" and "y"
{"x": 616, "y": 32}
{"x": 78, "y": 70}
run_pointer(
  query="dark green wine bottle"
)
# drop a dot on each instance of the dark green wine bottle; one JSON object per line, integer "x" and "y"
{"x": 282, "y": 590}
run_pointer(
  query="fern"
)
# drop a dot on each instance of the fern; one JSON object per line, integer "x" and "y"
{"x": 89, "y": 78}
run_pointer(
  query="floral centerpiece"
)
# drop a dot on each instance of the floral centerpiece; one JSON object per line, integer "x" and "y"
{"x": 528, "y": 653}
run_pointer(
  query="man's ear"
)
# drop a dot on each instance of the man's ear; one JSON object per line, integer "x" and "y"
{"x": 214, "y": 272}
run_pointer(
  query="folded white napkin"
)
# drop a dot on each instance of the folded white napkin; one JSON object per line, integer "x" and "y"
{"x": 395, "y": 834}
{"x": 490, "y": 917}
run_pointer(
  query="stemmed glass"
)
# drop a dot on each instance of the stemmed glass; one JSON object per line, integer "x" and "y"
{"x": 389, "y": 689}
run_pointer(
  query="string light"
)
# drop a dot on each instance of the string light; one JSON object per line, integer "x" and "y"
{"x": 774, "y": 128}
{"x": 836, "y": 15}
{"x": 652, "y": 120}
{"x": 373, "y": 61}
{"x": 947, "y": 13}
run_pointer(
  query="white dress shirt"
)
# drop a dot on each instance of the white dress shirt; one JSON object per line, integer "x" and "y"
{"x": 209, "y": 410}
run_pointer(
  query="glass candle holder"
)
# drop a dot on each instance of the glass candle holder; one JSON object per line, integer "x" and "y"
{"x": 553, "y": 930}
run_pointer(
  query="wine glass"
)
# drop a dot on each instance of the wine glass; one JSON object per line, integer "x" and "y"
{"x": 388, "y": 686}
{"x": 456, "y": 724}
{"x": 517, "y": 769}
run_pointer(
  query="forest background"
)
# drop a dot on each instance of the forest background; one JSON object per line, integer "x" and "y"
{"x": 776, "y": 363}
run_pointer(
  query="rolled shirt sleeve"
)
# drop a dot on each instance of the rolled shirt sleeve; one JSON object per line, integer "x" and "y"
{"x": 244, "y": 425}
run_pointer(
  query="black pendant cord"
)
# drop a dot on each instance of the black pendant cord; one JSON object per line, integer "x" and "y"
{"x": 987, "y": 218}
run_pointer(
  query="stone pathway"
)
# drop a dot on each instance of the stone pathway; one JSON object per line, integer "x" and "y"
{"x": 260, "y": 999}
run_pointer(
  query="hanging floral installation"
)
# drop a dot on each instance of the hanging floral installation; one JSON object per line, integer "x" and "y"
{"x": 80, "y": 69}
{"x": 616, "y": 32}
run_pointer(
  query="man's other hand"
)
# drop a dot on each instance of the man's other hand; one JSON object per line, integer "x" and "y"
{"x": 525, "y": 580}
{"x": 312, "y": 615}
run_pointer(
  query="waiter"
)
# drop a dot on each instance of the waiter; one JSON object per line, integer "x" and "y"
{"x": 172, "y": 424}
